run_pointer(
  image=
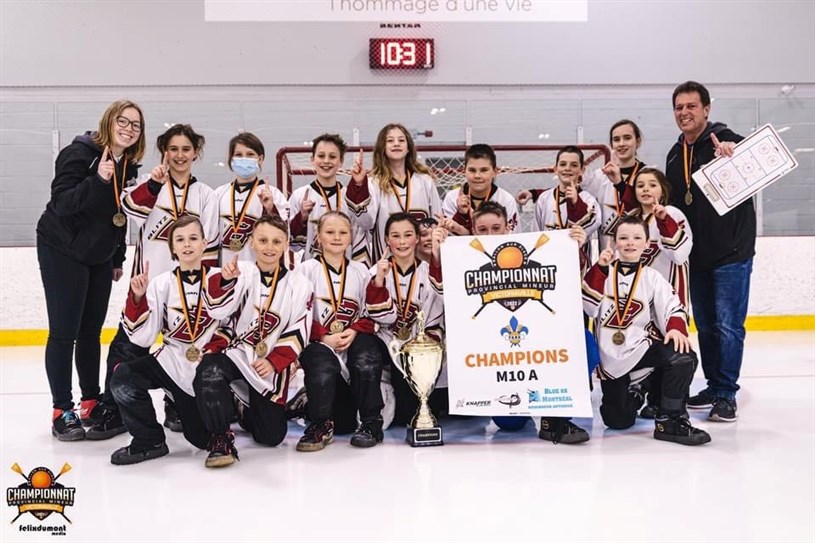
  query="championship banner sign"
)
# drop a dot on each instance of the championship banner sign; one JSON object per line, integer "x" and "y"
{"x": 514, "y": 321}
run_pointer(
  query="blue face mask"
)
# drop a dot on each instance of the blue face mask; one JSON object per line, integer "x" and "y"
{"x": 245, "y": 167}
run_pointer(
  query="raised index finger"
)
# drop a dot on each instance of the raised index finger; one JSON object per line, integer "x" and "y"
{"x": 359, "y": 157}
{"x": 146, "y": 268}
{"x": 105, "y": 154}
{"x": 165, "y": 161}
{"x": 715, "y": 140}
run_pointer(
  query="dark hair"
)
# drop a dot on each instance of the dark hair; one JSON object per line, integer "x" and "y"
{"x": 623, "y": 122}
{"x": 632, "y": 219}
{"x": 490, "y": 208}
{"x": 333, "y": 213}
{"x": 480, "y": 150}
{"x": 692, "y": 86}
{"x": 104, "y": 136}
{"x": 570, "y": 149}
{"x": 181, "y": 222}
{"x": 249, "y": 140}
{"x": 336, "y": 139}
{"x": 273, "y": 221}
{"x": 185, "y": 130}
{"x": 663, "y": 183}
{"x": 400, "y": 217}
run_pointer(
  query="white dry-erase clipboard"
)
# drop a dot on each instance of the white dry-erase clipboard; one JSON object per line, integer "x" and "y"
{"x": 758, "y": 161}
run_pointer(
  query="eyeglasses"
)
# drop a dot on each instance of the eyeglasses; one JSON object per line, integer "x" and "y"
{"x": 124, "y": 122}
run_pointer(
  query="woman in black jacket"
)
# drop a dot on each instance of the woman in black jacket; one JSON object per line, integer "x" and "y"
{"x": 81, "y": 248}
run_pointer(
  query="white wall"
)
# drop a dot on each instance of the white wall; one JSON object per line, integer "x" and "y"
{"x": 780, "y": 286}
{"x": 624, "y": 42}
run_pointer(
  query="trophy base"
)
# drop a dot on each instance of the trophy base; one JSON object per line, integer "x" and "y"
{"x": 424, "y": 437}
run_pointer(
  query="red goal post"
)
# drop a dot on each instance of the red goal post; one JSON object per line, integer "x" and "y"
{"x": 519, "y": 166}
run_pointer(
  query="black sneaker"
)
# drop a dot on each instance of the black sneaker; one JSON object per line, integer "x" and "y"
{"x": 724, "y": 410}
{"x": 128, "y": 455}
{"x": 316, "y": 436}
{"x": 222, "y": 451}
{"x": 561, "y": 430}
{"x": 106, "y": 422}
{"x": 368, "y": 434}
{"x": 171, "y": 419}
{"x": 66, "y": 426}
{"x": 296, "y": 407}
{"x": 703, "y": 400}
{"x": 678, "y": 429}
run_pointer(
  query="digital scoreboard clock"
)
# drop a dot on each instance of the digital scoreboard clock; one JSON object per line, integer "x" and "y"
{"x": 402, "y": 53}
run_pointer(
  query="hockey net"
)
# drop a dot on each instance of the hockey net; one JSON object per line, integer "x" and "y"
{"x": 519, "y": 167}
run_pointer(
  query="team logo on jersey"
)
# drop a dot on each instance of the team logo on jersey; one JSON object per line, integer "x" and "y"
{"x": 41, "y": 495}
{"x": 182, "y": 333}
{"x": 244, "y": 230}
{"x": 347, "y": 310}
{"x": 514, "y": 332}
{"x": 161, "y": 232}
{"x": 649, "y": 254}
{"x": 510, "y": 278}
{"x": 610, "y": 320}
{"x": 405, "y": 321}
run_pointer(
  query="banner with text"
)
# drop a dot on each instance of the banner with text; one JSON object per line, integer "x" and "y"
{"x": 402, "y": 11}
{"x": 514, "y": 319}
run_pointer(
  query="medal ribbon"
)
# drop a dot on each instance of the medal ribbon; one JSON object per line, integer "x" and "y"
{"x": 687, "y": 163}
{"x": 335, "y": 301}
{"x": 403, "y": 306}
{"x": 395, "y": 187}
{"x": 262, "y": 313}
{"x": 560, "y": 224}
{"x": 244, "y": 208}
{"x": 618, "y": 206}
{"x": 116, "y": 184}
{"x": 185, "y": 308}
{"x": 325, "y": 196}
{"x": 621, "y": 318}
{"x": 176, "y": 212}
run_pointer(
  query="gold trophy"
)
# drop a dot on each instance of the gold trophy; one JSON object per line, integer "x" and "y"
{"x": 420, "y": 361}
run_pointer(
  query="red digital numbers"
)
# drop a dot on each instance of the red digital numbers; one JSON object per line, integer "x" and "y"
{"x": 402, "y": 53}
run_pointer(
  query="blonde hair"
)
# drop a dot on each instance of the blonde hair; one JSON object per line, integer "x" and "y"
{"x": 381, "y": 169}
{"x": 104, "y": 136}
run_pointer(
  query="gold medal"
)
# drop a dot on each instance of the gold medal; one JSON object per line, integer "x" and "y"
{"x": 261, "y": 349}
{"x": 618, "y": 338}
{"x": 235, "y": 244}
{"x": 403, "y": 334}
{"x": 119, "y": 219}
{"x": 336, "y": 327}
{"x": 193, "y": 353}
{"x": 687, "y": 162}
{"x": 688, "y": 198}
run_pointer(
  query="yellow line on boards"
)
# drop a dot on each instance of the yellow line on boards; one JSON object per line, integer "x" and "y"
{"x": 755, "y": 323}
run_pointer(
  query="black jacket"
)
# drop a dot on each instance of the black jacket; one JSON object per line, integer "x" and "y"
{"x": 717, "y": 240}
{"x": 78, "y": 220}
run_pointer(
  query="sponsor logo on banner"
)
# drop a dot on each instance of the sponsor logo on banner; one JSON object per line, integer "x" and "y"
{"x": 41, "y": 495}
{"x": 510, "y": 278}
{"x": 473, "y": 403}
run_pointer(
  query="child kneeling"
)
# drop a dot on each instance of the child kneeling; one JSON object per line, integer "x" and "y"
{"x": 628, "y": 301}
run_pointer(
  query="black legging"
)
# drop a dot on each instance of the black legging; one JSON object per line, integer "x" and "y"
{"x": 76, "y": 297}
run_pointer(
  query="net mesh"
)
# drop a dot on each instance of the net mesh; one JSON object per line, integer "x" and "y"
{"x": 520, "y": 167}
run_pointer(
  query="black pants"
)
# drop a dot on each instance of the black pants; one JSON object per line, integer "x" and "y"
{"x": 330, "y": 397}
{"x": 264, "y": 418}
{"x": 121, "y": 350}
{"x": 619, "y": 407}
{"x": 131, "y": 383}
{"x": 407, "y": 403}
{"x": 76, "y": 298}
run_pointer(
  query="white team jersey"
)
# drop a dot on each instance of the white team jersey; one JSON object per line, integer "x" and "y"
{"x": 654, "y": 304}
{"x": 669, "y": 245}
{"x": 285, "y": 326}
{"x": 496, "y": 194}
{"x": 549, "y": 216}
{"x": 393, "y": 318}
{"x": 155, "y": 214}
{"x": 162, "y": 312}
{"x": 305, "y": 241}
{"x": 351, "y": 305}
{"x": 239, "y": 208}
{"x": 419, "y": 197}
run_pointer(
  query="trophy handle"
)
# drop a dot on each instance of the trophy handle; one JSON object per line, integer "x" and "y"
{"x": 395, "y": 348}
